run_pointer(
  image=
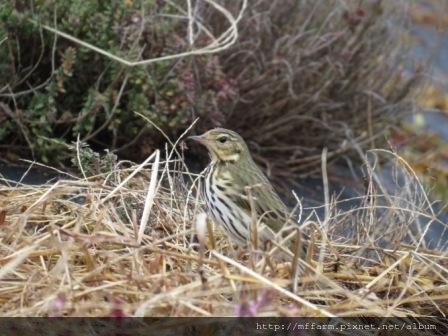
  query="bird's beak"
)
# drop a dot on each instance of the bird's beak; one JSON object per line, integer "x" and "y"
{"x": 198, "y": 138}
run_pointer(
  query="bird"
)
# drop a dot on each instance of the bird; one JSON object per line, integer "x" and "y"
{"x": 229, "y": 179}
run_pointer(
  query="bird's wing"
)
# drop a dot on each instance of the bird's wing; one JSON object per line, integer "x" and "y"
{"x": 266, "y": 200}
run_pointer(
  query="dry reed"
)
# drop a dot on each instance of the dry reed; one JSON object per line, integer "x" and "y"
{"x": 125, "y": 244}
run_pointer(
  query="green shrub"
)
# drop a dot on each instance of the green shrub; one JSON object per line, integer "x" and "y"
{"x": 303, "y": 75}
{"x": 57, "y": 90}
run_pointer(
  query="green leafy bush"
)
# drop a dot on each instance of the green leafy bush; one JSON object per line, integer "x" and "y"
{"x": 55, "y": 89}
{"x": 303, "y": 75}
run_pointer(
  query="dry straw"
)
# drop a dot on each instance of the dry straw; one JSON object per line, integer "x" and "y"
{"x": 126, "y": 245}
{"x": 226, "y": 39}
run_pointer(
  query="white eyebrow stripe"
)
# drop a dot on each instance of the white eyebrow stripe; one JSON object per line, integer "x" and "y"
{"x": 233, "y": 157}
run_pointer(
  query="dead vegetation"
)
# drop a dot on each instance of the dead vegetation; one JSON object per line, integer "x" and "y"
{"x": 125, "y": 243}
{"x": 128, "y": 241}
{"x": 306, "y": 75}
{"x": 291, "y": 76}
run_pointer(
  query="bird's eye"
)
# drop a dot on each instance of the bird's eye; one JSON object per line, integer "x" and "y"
{"x": 222, "y": 139}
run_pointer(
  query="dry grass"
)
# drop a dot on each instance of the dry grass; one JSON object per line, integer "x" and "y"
{"x": 217, "y": 43}
{"x": 291, "y": 77}
{"x": 306, "y": 75}
{"x": 72, "y": 248}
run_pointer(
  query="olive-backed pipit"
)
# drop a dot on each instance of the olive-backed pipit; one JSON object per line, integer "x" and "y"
{"x": 232, "y": 182}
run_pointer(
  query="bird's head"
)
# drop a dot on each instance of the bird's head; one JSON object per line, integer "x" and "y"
{"x": 223, "y": 145}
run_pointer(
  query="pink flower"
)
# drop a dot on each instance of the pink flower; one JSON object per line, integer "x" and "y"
{"x": 58, "y": 305}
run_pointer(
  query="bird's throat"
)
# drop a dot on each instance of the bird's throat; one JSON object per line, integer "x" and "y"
{"x": 220, "y": 157}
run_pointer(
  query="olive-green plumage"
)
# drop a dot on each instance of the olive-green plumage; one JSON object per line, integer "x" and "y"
{"x": 225, "y": 189}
